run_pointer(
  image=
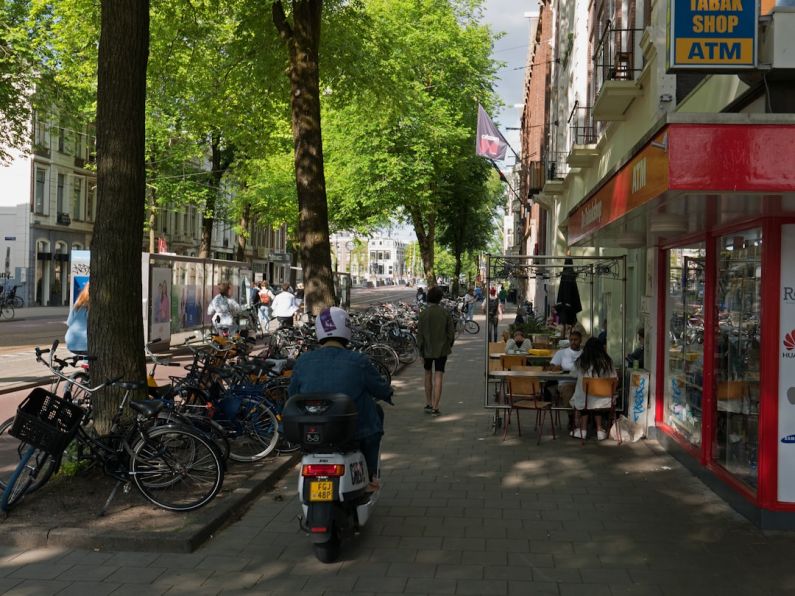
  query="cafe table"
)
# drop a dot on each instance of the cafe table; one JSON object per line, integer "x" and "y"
{"x": 502, "y": 376}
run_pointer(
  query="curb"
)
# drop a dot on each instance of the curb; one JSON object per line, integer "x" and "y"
{"x": 185, "y": 540}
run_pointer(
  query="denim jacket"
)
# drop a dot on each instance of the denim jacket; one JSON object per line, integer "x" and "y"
{"x": 336, "y": 370}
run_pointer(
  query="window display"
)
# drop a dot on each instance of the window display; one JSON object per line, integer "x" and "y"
{"x": 685, "y": 342}
{"x": 738, "y": 301}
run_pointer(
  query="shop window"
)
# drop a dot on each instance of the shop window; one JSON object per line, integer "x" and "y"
{"x": 684, "y": 313}
{"x": 738, "y": 304}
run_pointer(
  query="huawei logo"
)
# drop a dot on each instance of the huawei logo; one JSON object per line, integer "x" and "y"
{"x": 789, "y": 340}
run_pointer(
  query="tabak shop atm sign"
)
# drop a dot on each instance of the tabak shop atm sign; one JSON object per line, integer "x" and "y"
{"x": 712, "y": 35}
{"x": 786, "y": 370}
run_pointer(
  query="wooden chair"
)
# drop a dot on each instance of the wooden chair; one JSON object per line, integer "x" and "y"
{"x": 497, "y": 346}
{"x": 509, "y": 361}
{"x": 595, "y": 387}
{"x": 525, "y": 394}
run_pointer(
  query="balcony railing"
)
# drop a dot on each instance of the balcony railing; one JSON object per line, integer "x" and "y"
{"x": 64, "y": 219}
{"x": 581, "y": 124}
{"x": 614, "y": 58}
{"x": 555, "y": 166}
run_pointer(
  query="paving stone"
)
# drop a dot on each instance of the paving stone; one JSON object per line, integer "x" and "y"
{"x": 524, "y": 588}
{"x": 135, "y": 575}
{"x": 37, "y": 587}
{"x": 378, "y": 584}
{"x": 87, "y": 573}
{"x": 479, "y": 587}
{"x": 81, "y": 588}
{"x": 424, "y": 585}
{"x": 39, "y": 571}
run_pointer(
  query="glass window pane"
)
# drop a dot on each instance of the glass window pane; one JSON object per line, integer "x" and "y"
{"x": 685, "y": 341}
{"x": 738, "y": 302}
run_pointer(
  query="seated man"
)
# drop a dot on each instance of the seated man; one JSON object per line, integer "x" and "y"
{"x": 518, "y": 344}
{"x": 333, "y": 369}
{"x": 564, "y": 360}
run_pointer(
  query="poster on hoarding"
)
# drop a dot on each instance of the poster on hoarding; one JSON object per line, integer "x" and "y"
{"x": 79, "y": 272}
{"x": 160, "y": 304}
{"x": 786, "y": 370}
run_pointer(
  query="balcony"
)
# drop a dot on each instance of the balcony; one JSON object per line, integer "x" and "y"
{"x": 583, "y": 152}
{"x": 615, "y": 73}
{"x": 64, "y": 219}
{"x": 41, "y": 150}
{"x": 80, "y": 162}
{"x": 556, "y": 169}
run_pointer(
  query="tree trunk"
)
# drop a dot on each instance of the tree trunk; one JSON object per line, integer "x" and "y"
{"x": 245, "y": 218}
{"x": 426, "y": 237}
{"x": 302, "y": 39}
{"x": 220, "y": 163}
{"x": 115, "y": 325}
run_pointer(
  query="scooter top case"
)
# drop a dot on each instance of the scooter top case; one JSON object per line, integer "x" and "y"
{"x": 320, "y": 422}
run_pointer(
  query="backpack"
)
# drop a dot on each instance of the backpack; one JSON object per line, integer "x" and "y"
{"x": 255, "y": 297}
{"x": 493, "y": 305}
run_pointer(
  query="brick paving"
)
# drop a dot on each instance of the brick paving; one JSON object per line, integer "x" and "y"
{"x": 465, "y": 513}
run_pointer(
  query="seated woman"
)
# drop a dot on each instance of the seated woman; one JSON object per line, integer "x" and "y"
{"x": 593, "y": 362}
{"x": 518, "y": 344}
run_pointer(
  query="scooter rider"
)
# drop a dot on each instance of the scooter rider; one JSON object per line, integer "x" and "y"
{"x": 337, "y": 370}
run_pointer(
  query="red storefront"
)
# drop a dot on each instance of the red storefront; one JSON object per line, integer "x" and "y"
{"x": 717, "y": 202}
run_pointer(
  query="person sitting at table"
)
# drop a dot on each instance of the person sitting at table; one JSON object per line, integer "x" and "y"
{"x": 518, "y": 344}
{"x": 564, "y": 360}
{"x": 594, "y": 362}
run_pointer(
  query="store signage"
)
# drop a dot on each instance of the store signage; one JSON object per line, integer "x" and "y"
{"x": 712, "y": 35}
{"x": 639, "y": 181}
{"x": 786, "y": 370}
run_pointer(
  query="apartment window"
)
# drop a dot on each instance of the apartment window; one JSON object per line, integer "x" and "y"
{"x": 77, "y": 198}
{"x": 41, "y": 190}
{"x": 79, "y": 145}
{"x": 387, "y": 255}
{"x": 41, "y": 138}
{"x": 60, "y": 191}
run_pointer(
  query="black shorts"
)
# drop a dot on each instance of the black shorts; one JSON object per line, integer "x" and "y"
{"x": 437, "y": 363}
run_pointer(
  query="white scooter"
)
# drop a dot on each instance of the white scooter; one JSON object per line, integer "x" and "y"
{"x": 334, "y": 476}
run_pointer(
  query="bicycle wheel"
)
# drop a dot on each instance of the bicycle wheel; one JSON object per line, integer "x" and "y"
{"x": 382, "y": 370}
{"x": 385, "y": 355}
{"x": 12, "y": 450}
{"x": 176, "y": 469}
{"x": 7, "y": 311}
{"x": 205, "y": 426}
{"x": 20, "y": 480}
{"x": 18, "y": 302}
{"x": 276, "y": 396}
{"x": 254, "y": 432}
{"x": 472, "y": 327}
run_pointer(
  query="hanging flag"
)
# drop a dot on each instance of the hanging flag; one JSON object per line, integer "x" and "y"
{"x": 162, "y": 245}
{"x": 490, "y": 143}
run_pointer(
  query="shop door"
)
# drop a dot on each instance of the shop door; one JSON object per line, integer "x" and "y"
{"x": 684, "y": 369}
{"x": 737, "y": 341}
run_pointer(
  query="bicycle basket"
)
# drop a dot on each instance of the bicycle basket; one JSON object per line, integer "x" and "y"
{"x": 46, "y": 421}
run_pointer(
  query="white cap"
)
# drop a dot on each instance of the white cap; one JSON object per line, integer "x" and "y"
{"x": 333, "y": 323}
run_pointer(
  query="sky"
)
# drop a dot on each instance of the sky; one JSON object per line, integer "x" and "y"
{"x": 508, "y": 17}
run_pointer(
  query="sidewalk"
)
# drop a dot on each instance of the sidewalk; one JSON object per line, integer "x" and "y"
{"x": 463, "y": 512}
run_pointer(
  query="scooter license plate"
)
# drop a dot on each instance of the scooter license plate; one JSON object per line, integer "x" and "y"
{"x": 321, "y": 491}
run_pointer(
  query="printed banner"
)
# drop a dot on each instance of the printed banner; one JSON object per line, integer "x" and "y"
{"x": 160, "y": 304}
{"x": 490, "y": 143}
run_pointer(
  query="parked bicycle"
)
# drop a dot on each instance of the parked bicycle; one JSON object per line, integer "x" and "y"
{"x": 173, "y": 466}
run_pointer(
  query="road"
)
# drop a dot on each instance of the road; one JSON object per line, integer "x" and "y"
{"x": 39, "y": 327}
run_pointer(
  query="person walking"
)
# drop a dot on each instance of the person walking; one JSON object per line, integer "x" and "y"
{"x": 284, "y": 306}
{"x": 265, "y": 300}
{"x": 222, "y": 310}
{"x": 435, "y": 337}
{"x": 469, "y": 304}
{"x": 77, "y": 323}
{"x": 493, "y": 309}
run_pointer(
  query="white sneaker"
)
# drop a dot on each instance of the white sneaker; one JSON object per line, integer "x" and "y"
{"x": 601, "y": 435}
{"x": 578, "y": 433}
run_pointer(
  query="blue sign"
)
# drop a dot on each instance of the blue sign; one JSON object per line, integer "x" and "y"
{"x": 712, "y": 35}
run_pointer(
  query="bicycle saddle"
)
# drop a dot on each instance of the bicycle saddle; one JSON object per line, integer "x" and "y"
{"x": 148, "y": 409}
